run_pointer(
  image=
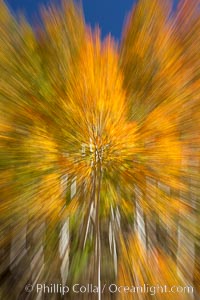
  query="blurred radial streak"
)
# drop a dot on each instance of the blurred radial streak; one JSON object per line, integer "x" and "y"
{"x": 100, "y": 152}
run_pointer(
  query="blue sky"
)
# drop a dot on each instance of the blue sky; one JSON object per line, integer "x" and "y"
{"x": 109, "y": 14}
